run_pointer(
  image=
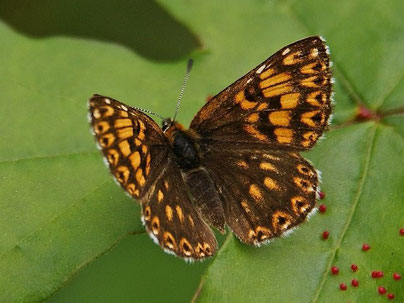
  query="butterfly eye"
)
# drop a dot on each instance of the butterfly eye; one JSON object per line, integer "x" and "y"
{"x": 166, "y": 124}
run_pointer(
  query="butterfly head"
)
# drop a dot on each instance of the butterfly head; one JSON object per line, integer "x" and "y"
{"x": 170, "y": 126}
{"x": 166, "y": 124}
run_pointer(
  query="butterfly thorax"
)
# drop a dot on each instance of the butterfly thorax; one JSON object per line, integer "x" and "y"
{"x": 183, "y": 146}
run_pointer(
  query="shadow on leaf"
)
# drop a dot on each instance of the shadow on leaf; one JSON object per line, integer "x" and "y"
{"x": 143, "y": 26}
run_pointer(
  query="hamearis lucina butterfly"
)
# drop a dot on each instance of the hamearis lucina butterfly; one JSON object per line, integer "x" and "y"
{"x": 239, "y": 162}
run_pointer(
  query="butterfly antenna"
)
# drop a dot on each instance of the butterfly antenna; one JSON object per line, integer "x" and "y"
{"x": 189, "y": 67}
{"x": 149, "y": 112}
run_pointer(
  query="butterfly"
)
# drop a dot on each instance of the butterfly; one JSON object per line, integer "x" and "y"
{"x": 238, "y": 165}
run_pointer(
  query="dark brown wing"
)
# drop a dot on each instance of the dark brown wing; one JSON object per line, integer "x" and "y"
{"x": 139, "y": 158}
{"x": 173, "y": 222}
{"x": 282, "y": 103}
{"x": 264, "y": 193}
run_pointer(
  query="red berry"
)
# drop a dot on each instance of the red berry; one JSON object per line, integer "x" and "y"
{"x": 355, "y": 283}
{"x": 322, "y": 208}
{"x": 396, "y": 276}
{"x": 380, "y": 274}
{"x": 354, "y": 267}
{"x": 365, "y": 247}
{"x": 390, "y": 296}
{"x": 381, "y": 290}
{"x": 364, "y": 113}
{"x": 375, "y": 274}
{"x": 342, "y": 286}
{"x": 402, "y": 231}
{"x": 334, "y": 270}
{"x": 325, "y": 235}
{"x": 322, "y": 195}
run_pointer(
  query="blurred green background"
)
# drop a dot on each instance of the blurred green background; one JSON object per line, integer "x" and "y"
{"x": 68, "y": 234}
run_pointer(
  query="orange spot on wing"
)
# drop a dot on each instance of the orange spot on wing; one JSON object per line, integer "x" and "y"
{"x": 106, "y": 140}
{"x": 290, "y": 100}
{"x": 124, "y": 133}
{"x": 267, "y": 166}
{"x": 262, "y": 106}
{"x": 135, "y": 159}
{"x": 277, "y": 90}
{"x": 125, "y": 148}
{"x": 131, "y": 189}
{"x": 119, "y": 123}
{"x": 139, "y": 177}
{"x": 307, "y": 118}
{"x": 240, "y": 97}
{"x": 101, "y": 127}
{"x": 283, "y": 77}
{"x": 169, "y": 212}
{"x": 160, "y": 196}
{"x": 310, "y": 138}
{"x": 271, "y": 183}
{"x": 283, "y": 135}
{"x": 309, "y": 82}
{"x": 281, "y": 118}
{"x": 255, "y": 192}
{"x": 122, "y": 174}
{"x": 180, "y": 214}
{"x": 293, "y": 58}
{"x": 253, "y": 118}
{"x": 312, "y": 98}
{"x": 308, "y": 69}
{"x": 113, "y": 157}
{"x": 267, "y": 73}
{"x": 255, "y": 132}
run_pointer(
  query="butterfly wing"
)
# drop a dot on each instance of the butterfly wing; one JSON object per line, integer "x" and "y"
{"x": 173, "y": 222}
{"x": 130, "y": 141}
{"x": 264, "y": 193}
{"x": 139, "y": 158}
{"x": 284, "y": 103}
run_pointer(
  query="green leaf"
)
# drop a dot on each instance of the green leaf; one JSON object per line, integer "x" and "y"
{"x": 60, "y": 209}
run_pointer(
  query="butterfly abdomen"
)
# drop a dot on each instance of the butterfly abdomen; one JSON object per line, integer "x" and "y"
{"x": 199, "y": 183}
{"x": 205, "y": 196}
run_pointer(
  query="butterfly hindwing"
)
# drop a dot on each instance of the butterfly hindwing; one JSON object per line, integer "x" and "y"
{"x": 283, "y": 103}
{"x": 264, "y": 193}
{"x": 172, "y": 220}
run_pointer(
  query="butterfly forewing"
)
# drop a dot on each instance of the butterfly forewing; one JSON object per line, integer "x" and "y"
{"x": 282, "y": 103}
{"x": 131, "y": 142}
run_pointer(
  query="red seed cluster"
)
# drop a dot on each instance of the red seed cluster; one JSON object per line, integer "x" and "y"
{"x": 396, "y": 276}
{"x": 334, "y": 270}
{"x": 322, "y": 195}
{"x": 402, "y": 231}
{"x": 365, "y": 247}
{"x": 376, "y": 274}
{"x": 355, "y": 283}
{"x": 354, "y": 267}
{"x": 390, "y": 296}
{"x": 325, "y": 235}
{"x": 381, "y": 290}
{"x": 322, "y": 208}
{"x": 342, "y": 286}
